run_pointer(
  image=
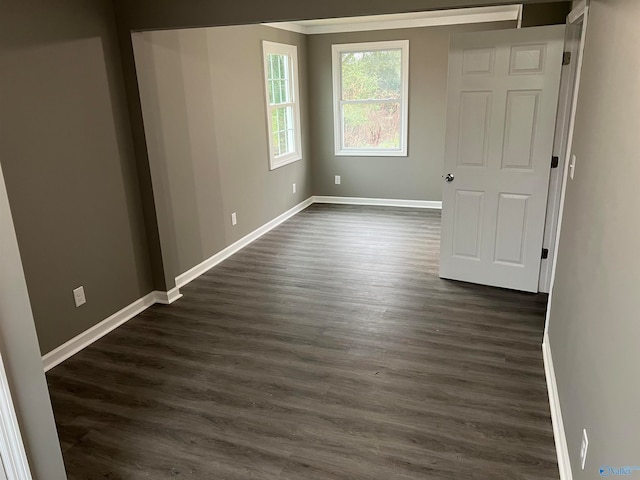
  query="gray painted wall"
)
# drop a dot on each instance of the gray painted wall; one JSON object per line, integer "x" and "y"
{"x": 417, "y": 176}
{"x": 594, "y": 323}
{"x": 67, "y": 156}
{"x": 80, "y": 188}
{"x": 82, "y": 199}
{"x": 203, "y": 100}
{"x": 65, "y": 150}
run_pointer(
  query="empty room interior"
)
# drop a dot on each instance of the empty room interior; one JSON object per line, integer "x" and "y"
{"x": 319, "y": 240}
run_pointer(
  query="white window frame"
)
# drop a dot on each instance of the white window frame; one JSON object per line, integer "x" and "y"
{"x": 338, "y": 119}
{"x": 272, "y": 48}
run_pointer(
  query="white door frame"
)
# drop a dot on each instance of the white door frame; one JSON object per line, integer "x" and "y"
{"x": 568, "y": 87}
{"x": 580, "y": 14}
{"x": 14, "y": 457}
{"x": 12, "y": 452}
{"x": 26, "y": 416}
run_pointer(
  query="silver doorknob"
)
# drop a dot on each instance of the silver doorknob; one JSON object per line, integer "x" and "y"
{"x": 449, "y": 177}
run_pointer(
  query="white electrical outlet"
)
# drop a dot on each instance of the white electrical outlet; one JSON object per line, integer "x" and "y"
{"x": 294, "y": 188}
{"x": 79, "y": 297}
{"x": 337, "y": 179}
{"x": 572, "y": 166}
{"x": 234, "y": 219}
{"x": 584, "y": 448}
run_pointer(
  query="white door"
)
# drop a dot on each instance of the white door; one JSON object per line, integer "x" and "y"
{"x": 501, "y": 111}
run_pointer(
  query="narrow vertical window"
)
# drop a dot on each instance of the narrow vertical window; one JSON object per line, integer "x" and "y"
{"x": 283, "y": 107}
{"x": 370, "y": 91}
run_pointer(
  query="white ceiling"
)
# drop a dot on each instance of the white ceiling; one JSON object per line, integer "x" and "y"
{"x": 403, "y": 20}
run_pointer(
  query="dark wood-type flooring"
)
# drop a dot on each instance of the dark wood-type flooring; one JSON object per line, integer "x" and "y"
{"x": 327, "y": 349}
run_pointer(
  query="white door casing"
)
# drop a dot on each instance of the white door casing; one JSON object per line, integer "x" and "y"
{"x": 501, "y": 110}
{"x": 13, "y": 458}
{"x": 578, "y": 18}
{"x": 3, "y": 473}
{"x": 572, "y": 45}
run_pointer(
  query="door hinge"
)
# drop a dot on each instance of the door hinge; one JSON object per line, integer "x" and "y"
{"x": 554, "y": 162}
{"x": 545, "y": 253}
{"x": 566, "y": 58}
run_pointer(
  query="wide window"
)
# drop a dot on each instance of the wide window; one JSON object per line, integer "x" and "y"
{"x": 283, "y": 107}
{"x": 370, "y": 92}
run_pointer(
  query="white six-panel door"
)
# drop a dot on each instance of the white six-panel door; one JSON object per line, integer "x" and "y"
{"x": 501, "y": 111}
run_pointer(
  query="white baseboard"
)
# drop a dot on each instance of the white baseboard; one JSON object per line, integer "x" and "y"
{"x": 381, "y": 202}
{"x": 86, "y": 338}
{"x": 167, "y": 298}
{"x": 564, "y": 463}
{"x": 209, "y": 263}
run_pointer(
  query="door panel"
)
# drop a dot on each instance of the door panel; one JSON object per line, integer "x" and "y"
{"x": 475, "y": 116}
{"x": 511, "y": 228}
{"x": 502, "y": 101}
{"x": 520, "y": 129}
{"x": 467, "y": 230}
{"x": 478, "y": 61}
{"x": 527, "y": 59}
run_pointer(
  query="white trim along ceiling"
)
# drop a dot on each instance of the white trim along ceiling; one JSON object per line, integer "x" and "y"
{"x": 403, "y": 20}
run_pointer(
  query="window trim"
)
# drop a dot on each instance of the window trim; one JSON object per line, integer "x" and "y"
{"x": 291, "y": 51}
{"x": 338, "y": 119}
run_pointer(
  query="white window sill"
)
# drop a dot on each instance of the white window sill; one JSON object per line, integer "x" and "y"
{"x": 281, "y": 162}
{"x": 371, "y": 153}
